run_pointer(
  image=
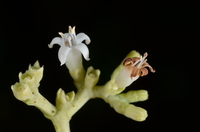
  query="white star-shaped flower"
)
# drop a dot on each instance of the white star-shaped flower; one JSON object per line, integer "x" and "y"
{"x": 71, "y": 47}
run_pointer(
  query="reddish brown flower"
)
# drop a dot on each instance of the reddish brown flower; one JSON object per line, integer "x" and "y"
{"x": 132, "y": 69}
{"x": 138, "y": 65}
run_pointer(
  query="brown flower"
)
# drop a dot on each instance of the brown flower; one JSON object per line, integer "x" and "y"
{"x": 138, "y": 65}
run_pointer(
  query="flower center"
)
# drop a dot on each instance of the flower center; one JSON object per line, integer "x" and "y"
{"x": 71, "y": 40}
{"x": 142, "y": 60}
{"x": 67, "y": 43}
{"x": 138, "y": 65}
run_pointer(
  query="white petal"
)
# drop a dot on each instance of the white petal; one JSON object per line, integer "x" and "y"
{"x": 83, "y": 49}
{"x": 63, "y": 53}
{"x": 56, "y": 40}
{"x": 81, "y": 37}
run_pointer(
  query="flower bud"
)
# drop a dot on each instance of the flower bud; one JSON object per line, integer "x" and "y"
{"x": 26, "y": 77}
{"x": 37, "y": 71}
{"x": 135, "y": 113}
{"x": 21, "y": 91}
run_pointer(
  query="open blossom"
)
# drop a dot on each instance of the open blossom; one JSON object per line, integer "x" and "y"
{"x": 132, "y": 69}
{"x": 71, "y": 47}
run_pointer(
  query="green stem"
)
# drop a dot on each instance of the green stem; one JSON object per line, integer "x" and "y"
{"x": 82, "y": 96}
{"x": 67, "y": 107}
{"x": 42, "y": 104}
{"x": 61, "y": 123}
{"x": 62, "y": 118}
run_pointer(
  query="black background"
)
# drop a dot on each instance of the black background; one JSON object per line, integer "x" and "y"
{"x": 169, "y": 32}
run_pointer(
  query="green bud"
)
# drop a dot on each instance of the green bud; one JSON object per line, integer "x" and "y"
{"x": 135, "y": 113}
{"x": 21, "y": 91}
{"x": 134, "y": 96}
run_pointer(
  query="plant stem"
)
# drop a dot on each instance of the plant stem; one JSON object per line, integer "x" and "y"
{"x": 82, "y": 96}
{"x": 61, "y": 123}
{"x": 42, "y": 104}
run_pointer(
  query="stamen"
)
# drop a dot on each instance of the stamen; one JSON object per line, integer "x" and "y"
{"x": 142, "y": 60}
{"x": 127, "y": 61}
{"x": 69, "y": 38}
{"x": 72, "y": 39}
{"x": 147, "y": 65}
{"x": 151, "y": 69}
{"x": 134, "y": 64}
{"x": 69, "y": 41}
{"x": 72, "y": 30}
{"x": 143, "y": 72}
{"x": 61, "y": 34}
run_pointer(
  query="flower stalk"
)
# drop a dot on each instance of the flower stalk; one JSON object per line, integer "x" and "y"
{"x": 27, "y": 90}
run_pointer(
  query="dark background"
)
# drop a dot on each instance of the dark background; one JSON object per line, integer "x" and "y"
{"x": 169, "y": 32}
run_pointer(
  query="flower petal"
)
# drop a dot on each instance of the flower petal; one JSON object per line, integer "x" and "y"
{"x": 83, "y": 49}
{"x": 63, "y": 53}
{"x": 81, "y": 37}
{"x": 56, "y": 40}
{"x": 144, "y": 72}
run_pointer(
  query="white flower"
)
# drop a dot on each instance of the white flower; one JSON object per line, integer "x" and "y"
{"x": 71, "y": 48}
